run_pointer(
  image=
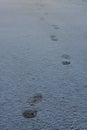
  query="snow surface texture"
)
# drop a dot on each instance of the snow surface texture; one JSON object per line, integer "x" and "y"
{"x": 43, "y": 64}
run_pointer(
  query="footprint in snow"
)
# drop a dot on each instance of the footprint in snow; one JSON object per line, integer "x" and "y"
{"x": 55, "y": 27}
{"x": 54, "y": 38}
{"x": 35, "y": 99}
{"x": 66, "y": 56}
{"x": 29, "y": 113}
{"x": 67, "y": 59}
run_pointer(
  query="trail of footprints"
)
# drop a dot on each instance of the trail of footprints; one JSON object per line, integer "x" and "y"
{"x": 32, "y": 101}
{"x": 66, "y": 57}
{"x": 54, "y": 37}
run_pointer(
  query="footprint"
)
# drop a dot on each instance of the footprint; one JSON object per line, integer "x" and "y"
{"x": 42, "y": 5}
{"x": 35, "y": 99}
{"x": 54, "y": 38}
{"x": 85, "y": 86}
{"x": 66, "y": 62}
{"x": 65, "y": 56}
{"x": 37, "y": 129}
{"x": 56, "y": 129}
{"x": 46, "y": 13}
{"x": 33, "y": 78}
{"x": 42, "y": 18}
{"x": 29, "y": 113}
{"x": 84, "y": 0}
{"x": 55, "y": 27}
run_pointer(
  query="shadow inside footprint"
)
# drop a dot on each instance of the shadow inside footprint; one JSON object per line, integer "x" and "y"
{"x": 35, "y": 99}
{"x": 53, "y": 38}
{"x": 66, "y": 62}
{"x": 29, "y": 113}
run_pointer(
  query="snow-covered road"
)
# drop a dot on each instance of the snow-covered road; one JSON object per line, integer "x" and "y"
{"x": 43, "y": 64}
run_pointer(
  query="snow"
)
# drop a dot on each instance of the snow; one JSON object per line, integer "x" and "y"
{"x": 36, "y": 38}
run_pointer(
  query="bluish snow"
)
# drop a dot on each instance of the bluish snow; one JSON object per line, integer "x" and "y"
{"x": 36, "y": 38}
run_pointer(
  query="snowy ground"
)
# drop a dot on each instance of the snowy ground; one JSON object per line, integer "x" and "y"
{"x": 43, "y": 50}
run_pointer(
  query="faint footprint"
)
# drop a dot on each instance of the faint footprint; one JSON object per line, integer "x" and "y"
{"x": 33, "y": 78}
{"x": 55, "y": 27}
{"x": 37, "y": 129}
{"x": 54, "y": 38}
{"x": 42, "y": 18}
{"x": 56, "y": 129}
{"x": 35, "y": 99}
{"x": 42, "y": 5}
{"x": 29, "y": 113}
{"x": 84, "y": 0}
{"x": 46, "y": 13}
{"x": 85, "y": 86}
{"x": 65, "y": 56}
